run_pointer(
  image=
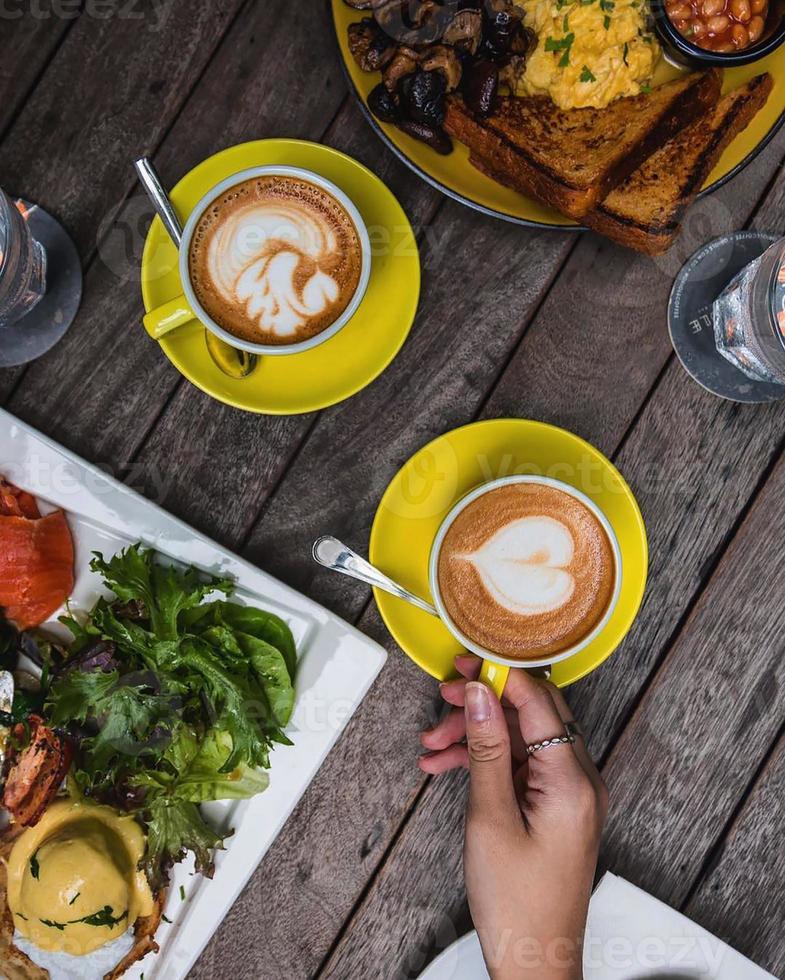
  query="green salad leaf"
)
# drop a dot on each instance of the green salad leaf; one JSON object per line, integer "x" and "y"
{"x": 174, "y": 701}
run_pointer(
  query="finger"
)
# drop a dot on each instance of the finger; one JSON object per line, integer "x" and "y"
{"x": 468, "y": 665}
{"x": 491, "y": 793}
{"x": 451, "y": 729}
{"x": 538, "y": 716}
{"x": 435, "y": 763}
{"x": 581, "y": 751}
{"x": 453, "y": 692}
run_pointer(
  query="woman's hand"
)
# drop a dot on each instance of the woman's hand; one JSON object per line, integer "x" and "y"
{"x": 533, "y": 823}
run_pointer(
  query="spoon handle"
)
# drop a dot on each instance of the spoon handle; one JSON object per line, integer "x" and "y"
{"x": 333, "y": 554}
{"x": 160, "y": 199}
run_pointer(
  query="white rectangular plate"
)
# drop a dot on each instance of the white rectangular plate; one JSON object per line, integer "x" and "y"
{"x": 336, "y": 667}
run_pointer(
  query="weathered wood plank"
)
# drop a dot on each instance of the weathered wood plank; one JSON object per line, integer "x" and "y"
{"x": 693, "y": 462}
{"x": 72, "y": 147}
{"x": 102, "y": 388}
{"x": 29, "y": 43}
{"x": 703, "y": 727}
{"x": 741, "y": 898}
{"x": 268, "y": 78}
{"x": 100, "y": 105}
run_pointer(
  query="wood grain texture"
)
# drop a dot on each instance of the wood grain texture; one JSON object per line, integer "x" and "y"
{"x": 419, "y": 894}
{"x": 745, "y": 878}
{"x": 29, "y": 43}
{"x": 102, "y": 388}
{"x": 690, "y": 750}
{"x": 693, "y": 462}
{"x": 100, "y": 105}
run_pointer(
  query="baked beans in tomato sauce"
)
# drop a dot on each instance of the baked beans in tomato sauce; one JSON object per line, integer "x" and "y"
{"x": 719, "y": 25}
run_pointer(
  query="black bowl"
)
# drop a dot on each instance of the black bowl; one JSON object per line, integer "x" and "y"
{"x": 680, "y": 51}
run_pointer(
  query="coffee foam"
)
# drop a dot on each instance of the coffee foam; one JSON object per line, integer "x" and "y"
{"x": 526, "y": 571}
{"x": 275, "y": 260}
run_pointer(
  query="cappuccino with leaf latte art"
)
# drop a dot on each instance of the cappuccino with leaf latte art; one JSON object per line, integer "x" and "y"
{"x": 526, "y": 571}
{"x": 275, "y": 260}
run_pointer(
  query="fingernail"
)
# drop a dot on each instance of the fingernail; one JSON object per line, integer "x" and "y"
{"x": 478, "y": 702}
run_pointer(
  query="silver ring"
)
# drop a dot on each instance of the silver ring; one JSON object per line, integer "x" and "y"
{"x": 568, "y": 739}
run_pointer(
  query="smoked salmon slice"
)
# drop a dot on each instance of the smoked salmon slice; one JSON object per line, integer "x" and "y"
{"x": 36, "y": 559}
{"x": 15, "y": 502}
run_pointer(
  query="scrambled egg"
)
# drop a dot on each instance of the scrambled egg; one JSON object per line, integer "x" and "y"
{"x": 589, "y": 52}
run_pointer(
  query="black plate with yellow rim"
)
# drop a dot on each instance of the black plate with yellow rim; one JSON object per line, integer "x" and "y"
{"x": 456, "y": 177}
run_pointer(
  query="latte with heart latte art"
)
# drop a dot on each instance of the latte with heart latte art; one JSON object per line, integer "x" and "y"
{"x": 526, "y": 570}
{"x": 275, "y": 260}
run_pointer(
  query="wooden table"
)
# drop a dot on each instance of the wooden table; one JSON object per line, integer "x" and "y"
{"x": 687, "y": 718}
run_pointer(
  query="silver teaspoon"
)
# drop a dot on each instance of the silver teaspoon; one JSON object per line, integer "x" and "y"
{"x": 233, "y": 362}
{"x": 333, "y": 554}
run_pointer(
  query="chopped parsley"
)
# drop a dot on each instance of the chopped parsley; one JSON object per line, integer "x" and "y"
{"x": 53, "y": 925}
{"x": 167, "y": 920}
{"x": 35, "y": 867}
{"x": 646, "y": 89}
{"x": 586, "y": 75}
{"x": 104, "y": 917}
{"x": 563, "y": 44}
{"x": 74, "y": 898}
{"x": 182, "y": 894}
{"x": 606, "y": 22}
{"x": 566, "y": 23}
{"x": 607, "y": 5}
{"x": 626, "y": 52}
{"x": 20, "y": 916}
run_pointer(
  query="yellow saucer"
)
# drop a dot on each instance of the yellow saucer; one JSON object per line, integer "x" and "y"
{"x": 430, "y": 483}
{"x": 341, "y": 366}
{"x": 455, "y": 176}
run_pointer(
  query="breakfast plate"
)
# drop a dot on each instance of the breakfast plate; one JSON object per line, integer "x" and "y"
{"x": 427, "y": 487}
{"x": 454, "y": 175}
{"x": 341, "y": 366}
{"x": 336, "y": 667}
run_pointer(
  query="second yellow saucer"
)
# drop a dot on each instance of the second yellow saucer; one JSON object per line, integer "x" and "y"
{"x": 436, "y": 477}
{"x": 341, "y": 366}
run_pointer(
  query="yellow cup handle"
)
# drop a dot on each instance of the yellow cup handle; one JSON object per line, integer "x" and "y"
{"x": 495, "y": 676}
{"x": 163, "y": 319}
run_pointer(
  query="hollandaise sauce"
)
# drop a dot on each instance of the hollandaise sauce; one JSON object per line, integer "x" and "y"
{"x": 73, "y": 878}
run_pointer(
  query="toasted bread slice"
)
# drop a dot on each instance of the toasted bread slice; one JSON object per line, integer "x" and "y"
{"x": 645, "y": 211}
{"x": 571, "y": 159}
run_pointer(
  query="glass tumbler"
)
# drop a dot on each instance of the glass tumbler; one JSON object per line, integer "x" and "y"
{"x": 749, "y": 317}
{"x": 22, "y": 263}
